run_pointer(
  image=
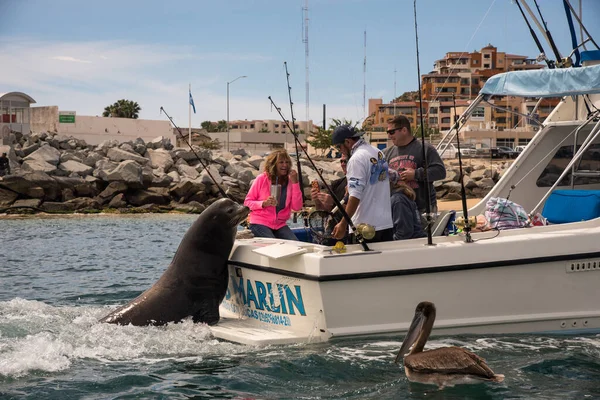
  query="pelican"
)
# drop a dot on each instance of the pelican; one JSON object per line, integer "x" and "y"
{"x": 443, "y": 366}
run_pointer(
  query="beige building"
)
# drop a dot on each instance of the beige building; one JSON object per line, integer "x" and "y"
{"x": 262, "y": 135}
{"x": 95, "y": 130}
{"x": 15, "y": 111}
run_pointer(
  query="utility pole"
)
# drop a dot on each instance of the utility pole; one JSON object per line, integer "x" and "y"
{"x": 305, "y": 41}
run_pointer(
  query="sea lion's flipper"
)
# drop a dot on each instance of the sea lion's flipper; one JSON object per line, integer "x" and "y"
{"x": 208, "y": 312}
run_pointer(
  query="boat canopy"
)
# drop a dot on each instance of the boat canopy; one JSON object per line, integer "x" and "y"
{"x": 545, "y": 82}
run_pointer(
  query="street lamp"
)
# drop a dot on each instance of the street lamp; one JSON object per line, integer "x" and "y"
{"x": 243, "y": 76}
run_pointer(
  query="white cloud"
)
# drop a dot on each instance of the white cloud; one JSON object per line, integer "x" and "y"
{"x": 97, "y": 73}
{"x": 71, "y": 59}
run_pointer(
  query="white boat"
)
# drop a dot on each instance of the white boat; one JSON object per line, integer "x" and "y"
{"x": 534, "y": 279}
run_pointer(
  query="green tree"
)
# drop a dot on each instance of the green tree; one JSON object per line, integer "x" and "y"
{"x": 209, "y": 126}
{"x": 320, "y": 139}
{"x": 222, "y": 126}
{"x": 427, "y": 130}
{"x": 337, "y": 122}
{"x": 122, "y": 109}
{"x": 264, "y": 130}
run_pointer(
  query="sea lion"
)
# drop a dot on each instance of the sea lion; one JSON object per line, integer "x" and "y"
{"x": 195, "y": 282}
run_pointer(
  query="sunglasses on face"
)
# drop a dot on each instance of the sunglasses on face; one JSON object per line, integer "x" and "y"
{"x": 343, "y": 161}
{"x": 392, "y": 131}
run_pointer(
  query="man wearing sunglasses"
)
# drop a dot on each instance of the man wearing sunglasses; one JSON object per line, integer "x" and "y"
{"x": 368, "y": 184}
{"x": 405, "y": 156}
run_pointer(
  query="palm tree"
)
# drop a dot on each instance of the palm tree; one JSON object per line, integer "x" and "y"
{"x": 123, "y": 109}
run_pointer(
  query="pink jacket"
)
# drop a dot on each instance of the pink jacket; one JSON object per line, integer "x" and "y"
{"x": 260, "y": 191}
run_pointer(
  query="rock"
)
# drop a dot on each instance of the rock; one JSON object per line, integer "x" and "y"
{"x": 85, "y": 189}
{"x": 186, "y": 188}
{"x": 255, "y": 161}
{"x": 215, "y": 174}
{"x": 160, "y": 179}
{"x": 72, "y": 166}
{"x": 129, "y": 172}
{"x": 92, "y": 158}
{"x": 81, "y": 203}
{"x": 453, "y": 187}
{"x": 160, "y": 142}
{"x": 106, "y": 145}
{"x": 160, "y": 159}
{"x": 7, "y": 197}
{"x": 187, "y": 172}
{"x": 26, "y": 203}
{"x": 111, "y": 190}
{"x": 67, "y": 194}
{"x": 151, "y": 195}
{"x": 36, "y": 192}
{"x": 103, "y": 168}
{"x": 175, "y": 176}
{"x": 118, "y": 201}
{"x": 116, "y": 154}
{"x": 47, "y": 154}
{"x": 56, "y": 207}
{"x": 22, "y": 183}
{"x": 486, "y": 183}
{"x": 30, "y": 149}
{"x": 193, "y": 207}
{"x": 127, "y": 146}
{"x": 34, "y": 165}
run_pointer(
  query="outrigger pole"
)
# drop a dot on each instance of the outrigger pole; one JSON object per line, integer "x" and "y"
{"x": 293, "y": 130}
{"x": 196, "y": 154}
{"x": 549, "y": 62}
{"x": 342, "y": 210}
{"x": 428, "y": 205}
{"x": 463, "y": 193}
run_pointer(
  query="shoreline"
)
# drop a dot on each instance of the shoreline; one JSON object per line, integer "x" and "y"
{"x": 456, "y": 204}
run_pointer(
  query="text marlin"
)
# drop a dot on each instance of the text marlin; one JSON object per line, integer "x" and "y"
{"x": 276, "y": 298}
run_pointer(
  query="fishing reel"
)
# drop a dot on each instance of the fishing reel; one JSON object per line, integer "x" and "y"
{"x": 367, "y": 231}
{"x": 461, "y": 224}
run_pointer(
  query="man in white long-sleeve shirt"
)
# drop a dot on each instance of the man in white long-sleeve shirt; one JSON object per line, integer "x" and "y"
{"x": 368, "y": 185}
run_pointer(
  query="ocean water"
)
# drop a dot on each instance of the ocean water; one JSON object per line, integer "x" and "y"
{"x": 59, "y": 275}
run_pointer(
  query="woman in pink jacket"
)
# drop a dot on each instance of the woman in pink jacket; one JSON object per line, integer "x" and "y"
{"x": 268, "y": 215}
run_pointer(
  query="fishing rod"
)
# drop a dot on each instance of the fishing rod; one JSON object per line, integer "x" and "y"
{"x": 357, "y": 233}
{"x": 196, "y": 154}
{"x": 548, "y": 34}
{"x": 425, "y": 174}
{"x": 293, "y": 129}
{"x": 463, "y": 192}
{"x": 549, "y": 62}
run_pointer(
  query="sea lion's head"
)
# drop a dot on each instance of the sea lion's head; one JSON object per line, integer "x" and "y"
{"x": 229, "y": 212}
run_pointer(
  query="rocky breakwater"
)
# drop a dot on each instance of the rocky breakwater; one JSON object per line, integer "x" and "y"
{"x": 55, "y": 174}
{"x": 479, "y": 176}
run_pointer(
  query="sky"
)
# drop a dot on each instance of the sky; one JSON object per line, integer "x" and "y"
{"x": 84, "y": 55}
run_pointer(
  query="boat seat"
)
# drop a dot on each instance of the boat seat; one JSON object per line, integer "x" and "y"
{"x": 564, "y": 206}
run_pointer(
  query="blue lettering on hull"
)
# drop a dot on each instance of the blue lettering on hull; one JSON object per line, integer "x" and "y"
{"x": 278, "y": 300}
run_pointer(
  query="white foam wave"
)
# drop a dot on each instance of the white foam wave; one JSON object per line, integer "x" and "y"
{"x": 39, "y": 337}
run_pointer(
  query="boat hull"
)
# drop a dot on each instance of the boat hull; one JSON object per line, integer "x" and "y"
{"x": 319, "y": 295}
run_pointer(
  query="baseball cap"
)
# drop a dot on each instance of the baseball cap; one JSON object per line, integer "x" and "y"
{"x": 343, "y": 132}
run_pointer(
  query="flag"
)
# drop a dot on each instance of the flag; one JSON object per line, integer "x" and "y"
{"x": 192, "y": 102}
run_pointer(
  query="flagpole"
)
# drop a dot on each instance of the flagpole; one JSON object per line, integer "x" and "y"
{"x": 190, "y": 115}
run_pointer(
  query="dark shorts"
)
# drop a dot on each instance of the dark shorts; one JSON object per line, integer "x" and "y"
{"x": 264, "y": 231}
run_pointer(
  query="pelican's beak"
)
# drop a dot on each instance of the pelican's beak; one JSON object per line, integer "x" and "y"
{"x": 411, "y": 336}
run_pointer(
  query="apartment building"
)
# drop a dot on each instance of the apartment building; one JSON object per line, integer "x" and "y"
{"x": 261, "y": 135}
{"x": 458, "y": 77}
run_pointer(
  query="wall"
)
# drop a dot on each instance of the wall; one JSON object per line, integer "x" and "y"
{"x": 44, "y": 119}
{"x": 95, "y": 130}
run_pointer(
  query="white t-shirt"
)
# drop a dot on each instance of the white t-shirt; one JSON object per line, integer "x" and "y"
{"x": 368, "y": 181}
